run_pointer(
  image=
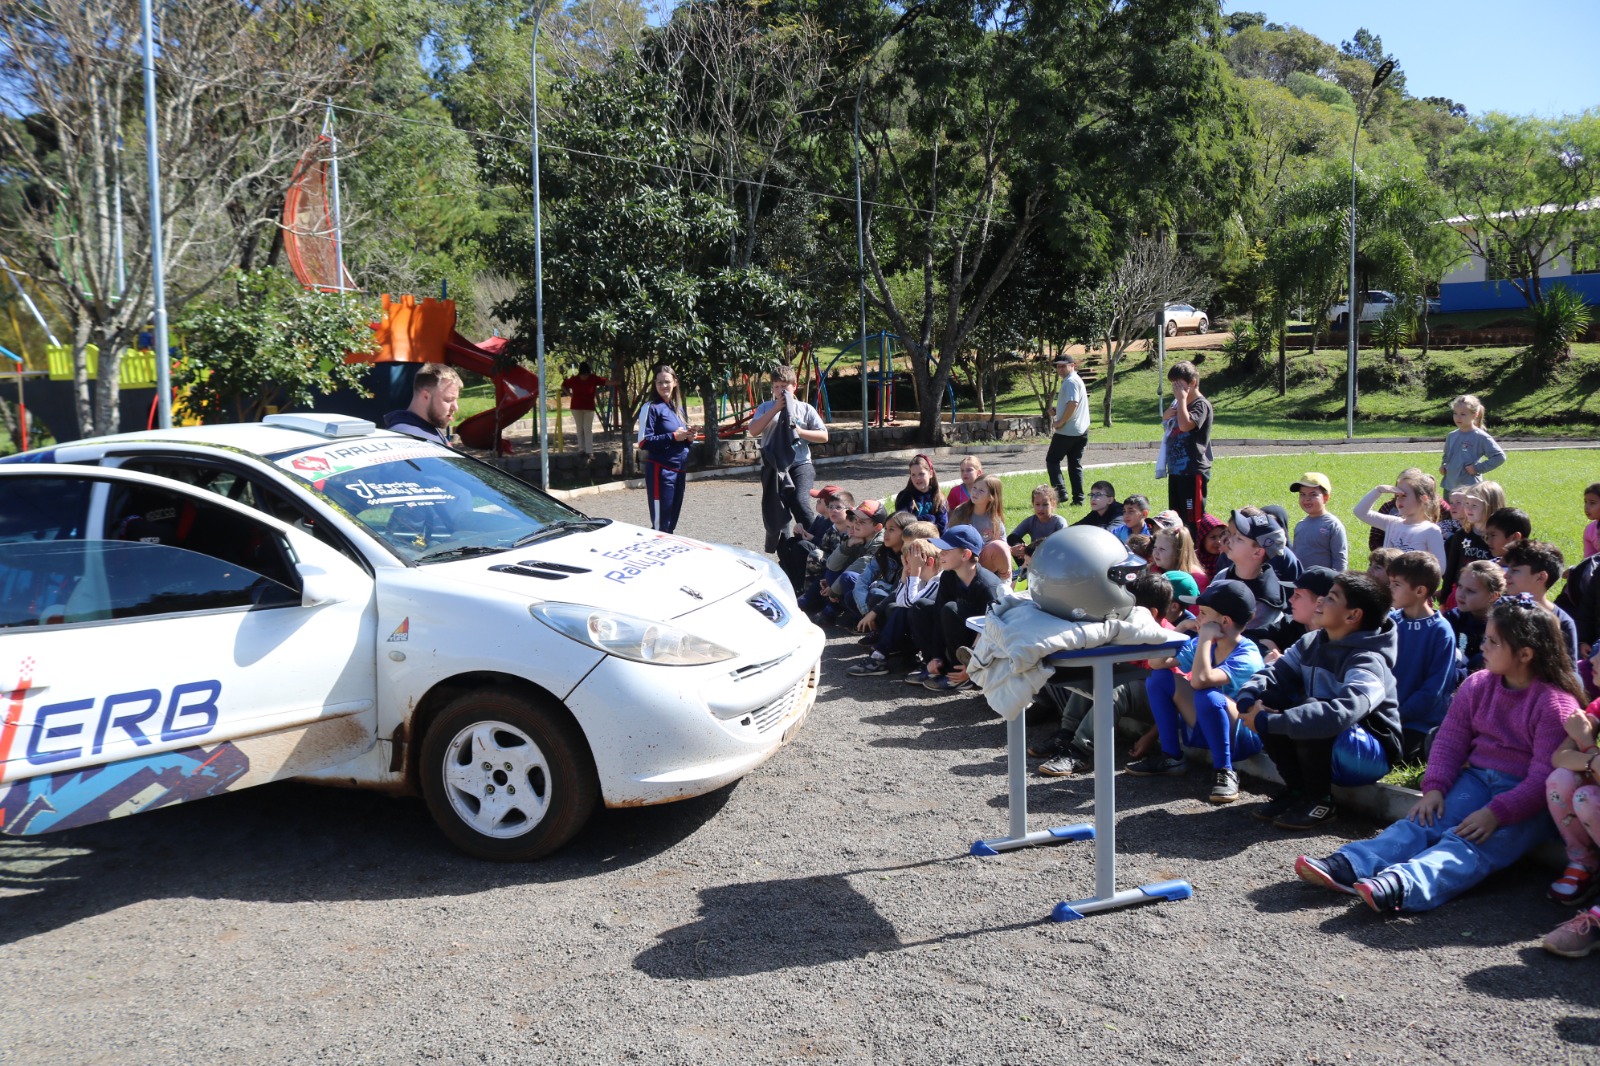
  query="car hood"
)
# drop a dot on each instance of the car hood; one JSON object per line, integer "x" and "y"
{"x": 618, "y": 567}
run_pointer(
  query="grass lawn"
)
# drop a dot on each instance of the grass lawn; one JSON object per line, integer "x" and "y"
{"x": 1562, "y": 402}
{"x": 1548, "y": 485}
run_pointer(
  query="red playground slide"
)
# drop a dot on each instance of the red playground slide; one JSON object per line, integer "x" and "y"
{"x": 516, "y": 391}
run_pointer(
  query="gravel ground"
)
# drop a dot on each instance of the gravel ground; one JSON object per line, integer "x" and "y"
{"x": 823, "y": 909}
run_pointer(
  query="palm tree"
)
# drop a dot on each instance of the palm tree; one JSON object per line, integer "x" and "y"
{"x": 1397, "y": 242}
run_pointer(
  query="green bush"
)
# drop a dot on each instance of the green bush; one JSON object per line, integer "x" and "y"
{"x": 1247, "y": 348}
{"x": 1558, "y": 320}
{"x": 1393, "y": 329}
{"x": 271, "y": 343}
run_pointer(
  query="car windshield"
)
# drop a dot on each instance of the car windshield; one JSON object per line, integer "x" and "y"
{"x": 427, "y": 503}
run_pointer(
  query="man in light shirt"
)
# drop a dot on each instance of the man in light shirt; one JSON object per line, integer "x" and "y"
{"x": 1069, "y": 431}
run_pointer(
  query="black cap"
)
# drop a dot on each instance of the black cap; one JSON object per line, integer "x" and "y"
{"x": 1318, "y": 579}
{"x": 1230, "y": 599}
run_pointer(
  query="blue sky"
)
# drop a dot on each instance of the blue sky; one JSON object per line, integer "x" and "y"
{"x": 1535, "y": 57}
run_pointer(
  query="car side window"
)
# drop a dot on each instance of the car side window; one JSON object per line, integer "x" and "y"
{"x": 152, "y": 515}
{"x": 245, "y": 490}
{"x": 160, "y": 552}
{"x": 38, "y": 516}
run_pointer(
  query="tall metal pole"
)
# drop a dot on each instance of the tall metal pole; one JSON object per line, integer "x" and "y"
{"x": 333, "y": 178}
{"x": 158, "y": 280}
{"x": 1351, "y": 324}
{"x": 861, "y": 267}
{"x": 116, "y": 211}
{"x": 1161, "y": 359}
{"x": 1350, "y": 303}
{"x": 538, "y": 263}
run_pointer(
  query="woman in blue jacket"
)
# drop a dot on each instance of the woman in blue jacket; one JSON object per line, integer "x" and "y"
{"x": 664, "y": 436}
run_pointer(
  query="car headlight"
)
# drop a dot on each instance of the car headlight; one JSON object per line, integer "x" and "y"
{"x": 627, "y": 637}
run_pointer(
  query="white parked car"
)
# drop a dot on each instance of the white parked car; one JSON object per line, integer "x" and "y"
{"x": 194, "y": 611}
{"x": 1375, "y": 302}
{"x": 1185, "y": 316}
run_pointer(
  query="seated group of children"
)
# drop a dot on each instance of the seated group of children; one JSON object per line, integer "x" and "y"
{"x": 1338, "y": 676}
{"x": 1447, "y": 648}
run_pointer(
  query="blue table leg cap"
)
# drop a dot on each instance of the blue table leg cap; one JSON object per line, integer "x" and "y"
{"x": 980, "y": 847}
{"x": 1064, "y": 912}
{"x": 1169, "y": 890}
{"x": 1073, "y": 832}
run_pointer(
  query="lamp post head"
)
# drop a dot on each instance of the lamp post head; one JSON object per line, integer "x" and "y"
{"x": 1381, "y": 75}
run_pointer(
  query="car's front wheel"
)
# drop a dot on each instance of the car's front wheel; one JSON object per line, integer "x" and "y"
{"x": 506, "y": 779}
{"x": 1204, "y": 326}
{"x": 1172, "y": 327}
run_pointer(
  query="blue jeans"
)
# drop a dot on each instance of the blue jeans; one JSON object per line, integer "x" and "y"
{"x": 1433, "y": 862}
{"x": 1213, "y": 728}
{"x": 895, "y": 636}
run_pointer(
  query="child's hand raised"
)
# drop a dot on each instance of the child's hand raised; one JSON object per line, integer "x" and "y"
{"x": 1428, "y": 808}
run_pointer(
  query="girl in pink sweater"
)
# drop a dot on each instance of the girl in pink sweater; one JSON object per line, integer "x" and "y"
{"x": 1483, "y": 803}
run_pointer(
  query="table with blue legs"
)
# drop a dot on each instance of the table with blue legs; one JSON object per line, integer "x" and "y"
{"x": 1101, "y": 661}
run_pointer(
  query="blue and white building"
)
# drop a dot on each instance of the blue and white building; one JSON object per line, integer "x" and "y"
{"x": 1472, "y": 287}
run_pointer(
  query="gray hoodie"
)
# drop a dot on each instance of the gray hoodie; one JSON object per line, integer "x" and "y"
{"x": 1464, "y": 448}
{"x": 1323, "y": 687}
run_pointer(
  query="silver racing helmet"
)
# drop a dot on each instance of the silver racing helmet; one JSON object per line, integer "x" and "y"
{"x": 1083, "y": 574}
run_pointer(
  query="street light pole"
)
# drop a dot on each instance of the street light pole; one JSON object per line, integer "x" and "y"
{"x": 538, "y": 262}
{"x": 1351, "y": 327}
{"x": 158, "y": 280}
{"x": 861, "y": 268}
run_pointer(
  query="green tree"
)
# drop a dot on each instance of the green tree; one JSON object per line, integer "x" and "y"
{"x": 1066, "y": 118}
{"x": 239, "y": 96}
{"x": 1398, "y": 244}
{"x": 636, "y": 261}
{"x": 1523, "y": 191}
{"x": 272, "y": 344}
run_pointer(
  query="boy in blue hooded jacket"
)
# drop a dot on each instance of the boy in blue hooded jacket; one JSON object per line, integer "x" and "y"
{"x": 1326, "y": 710}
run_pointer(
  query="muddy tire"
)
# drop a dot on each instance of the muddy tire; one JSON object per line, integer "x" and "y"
{"x": 507, "y": 779}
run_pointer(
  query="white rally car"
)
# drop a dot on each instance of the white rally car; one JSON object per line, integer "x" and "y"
{"x": 192, "y": 611}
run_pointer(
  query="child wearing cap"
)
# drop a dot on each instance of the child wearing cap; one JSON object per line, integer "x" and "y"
{"x": 1191, "y": 692}
{"x": 1326, "y": 711}
{"x": 1319, "y": 538}
{"x": 1313, "y": 583}
{"x": 939, "y": 629}
{"x": 1070, "y": 749}
{"x": 1185, "y": 590}
{"x": 793, "y": 552}
{"x": 846, "y": 563}
{"x": 1252, "y": 539}
{"x": 818, "y": 550}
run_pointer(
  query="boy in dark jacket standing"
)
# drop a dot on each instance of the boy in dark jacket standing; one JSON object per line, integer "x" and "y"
{"x": 1326, "y": 711}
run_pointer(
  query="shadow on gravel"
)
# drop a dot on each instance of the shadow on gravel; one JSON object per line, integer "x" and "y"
{"x": 1542, "y": 976}
{"x": 765, "y": 926}
{"x": 295, "y": 843}
{"x": 947, "y": 725}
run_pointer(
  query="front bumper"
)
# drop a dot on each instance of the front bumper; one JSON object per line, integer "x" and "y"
{"x": 661, "y": 733}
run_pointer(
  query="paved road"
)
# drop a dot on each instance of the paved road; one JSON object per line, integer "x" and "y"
{"x": 824, "y": 909}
